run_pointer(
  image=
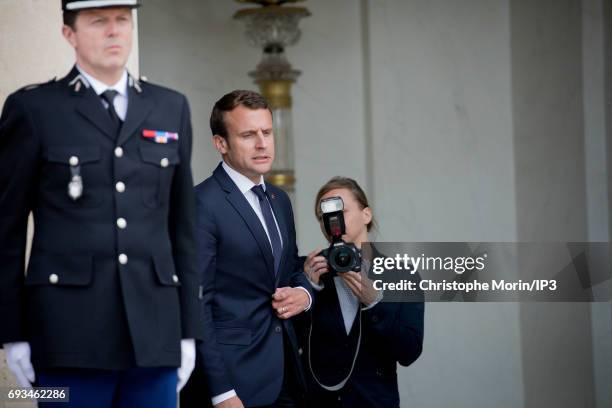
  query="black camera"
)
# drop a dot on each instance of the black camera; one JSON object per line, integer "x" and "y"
{"x": 341, "y": 256}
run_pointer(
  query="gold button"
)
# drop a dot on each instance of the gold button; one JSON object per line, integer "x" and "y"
{"x": 74, "y": 161}
{"x": 53, "y": 279}
{"x": 120, "y": 186}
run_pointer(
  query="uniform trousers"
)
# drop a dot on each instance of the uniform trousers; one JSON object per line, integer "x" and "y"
{"x": 131, "y": 388}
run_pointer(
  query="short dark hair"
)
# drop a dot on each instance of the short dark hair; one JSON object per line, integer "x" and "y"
{"x": 70, "y": 18}
{"x": 229, "y": 102}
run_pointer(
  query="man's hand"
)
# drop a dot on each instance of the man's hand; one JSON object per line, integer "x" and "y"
{"x": 18, "y": 361}
{"x": 233, "y": 402}
{"x": 288, "y": 302}
{"x": 361, "y": 286}
{"x": 315, "y": 266}
{"x": 188, "y": 355}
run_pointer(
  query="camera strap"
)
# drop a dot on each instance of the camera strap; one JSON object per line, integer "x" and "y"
{"x": 342, "y": 383}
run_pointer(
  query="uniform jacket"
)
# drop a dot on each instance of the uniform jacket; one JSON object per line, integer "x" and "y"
{"x": 100, "y": 292}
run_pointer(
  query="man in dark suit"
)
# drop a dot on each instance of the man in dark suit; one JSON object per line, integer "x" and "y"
{"x": 247, "y": 257}
{"x": 109, "y": 306}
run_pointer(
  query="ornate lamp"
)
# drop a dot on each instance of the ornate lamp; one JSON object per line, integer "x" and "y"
{"x": 272, "y": 27}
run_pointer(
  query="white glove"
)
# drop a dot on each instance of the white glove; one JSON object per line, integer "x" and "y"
{"x": 18, "y": 361}
{"x": 188, "y": 356}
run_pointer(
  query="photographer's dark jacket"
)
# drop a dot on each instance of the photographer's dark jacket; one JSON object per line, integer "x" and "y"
{"x": 391, "y": 333}
{"x": 111, "y": 281}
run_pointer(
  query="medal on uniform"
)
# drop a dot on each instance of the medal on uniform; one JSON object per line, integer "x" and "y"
{"x": 160, "y": 136}
{"x": 75, "y": 186}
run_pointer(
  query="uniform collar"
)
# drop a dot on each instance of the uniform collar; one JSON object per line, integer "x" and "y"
{"x": 243, "y": 182}
{"x": 99, "y": 87}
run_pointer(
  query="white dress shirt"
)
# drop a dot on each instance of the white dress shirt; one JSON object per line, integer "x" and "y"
{"x": 121, "y": 100}
{"x": 245, "y": 185}
{"x": 349, "y": 303}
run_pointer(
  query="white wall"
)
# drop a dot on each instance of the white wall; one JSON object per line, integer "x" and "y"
{"x": 594, "y": 90}
{"x": 329, "y": 115}
{"x": 32, "y": 48}
{"x": 442, "y": 120}
{"x": 443, "y": 170}
{"x": 197, "y": 48}
{"x": 550, "y": 173}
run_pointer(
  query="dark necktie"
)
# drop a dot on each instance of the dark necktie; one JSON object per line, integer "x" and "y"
{"x": 266, "y": 209}
{"x": 109, "y": 96}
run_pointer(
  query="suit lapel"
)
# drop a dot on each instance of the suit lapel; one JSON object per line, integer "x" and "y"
{"x": 90, "y": 107}
{"x": 242, "y": 206}
{"x": 139, "y": 107}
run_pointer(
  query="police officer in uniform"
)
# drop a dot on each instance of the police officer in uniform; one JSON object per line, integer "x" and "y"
{"x": 109, "y": 306}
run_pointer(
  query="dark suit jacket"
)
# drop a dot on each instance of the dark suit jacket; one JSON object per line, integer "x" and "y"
{"x": 242, "y": 347}
{"x": 391, "y": 333}
{"x": 79, "y": 306}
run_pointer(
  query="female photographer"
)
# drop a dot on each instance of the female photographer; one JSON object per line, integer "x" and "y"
{"x": 354, "y": 339}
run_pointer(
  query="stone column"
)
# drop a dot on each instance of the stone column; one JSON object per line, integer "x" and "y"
{"x": 551, "y": 191}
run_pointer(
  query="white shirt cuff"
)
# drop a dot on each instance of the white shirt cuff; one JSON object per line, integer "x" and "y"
{"x": 316, "y": 287}
{"x": 216, "y": 400}
{"x": 309, "y": 297}
{"x": 375, "y": 302}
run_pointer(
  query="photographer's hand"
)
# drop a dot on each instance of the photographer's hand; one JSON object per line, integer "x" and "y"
{"x": 315, "y": 266}
{"x": 361, "y": 286}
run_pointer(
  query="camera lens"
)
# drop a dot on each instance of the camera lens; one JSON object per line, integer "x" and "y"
{"x": 343, "y": 258}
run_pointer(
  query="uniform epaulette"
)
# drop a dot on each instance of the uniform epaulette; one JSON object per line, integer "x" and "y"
{"x": 134, "y": 83}
{"x": 34, "y": 86}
